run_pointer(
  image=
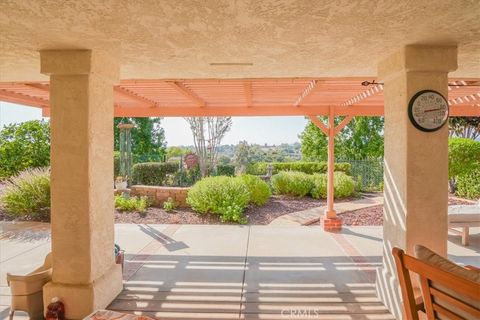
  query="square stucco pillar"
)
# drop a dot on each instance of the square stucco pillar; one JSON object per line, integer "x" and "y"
{"x": 85, "y": 275}
{"x": 416, "y": 162}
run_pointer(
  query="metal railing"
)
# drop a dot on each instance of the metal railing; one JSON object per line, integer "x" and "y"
{"x": 367, "y": 172}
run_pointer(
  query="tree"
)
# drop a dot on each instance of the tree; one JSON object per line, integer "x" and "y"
{"x": 315, "y": 143}
{"x": 463, "y": 159}
{"x": 242, "y": 156}
{"x": 148, "y": 138}
{"x": 464, "y": 127}
{"x": 208, "y": 132}
{"x": 361, "y": 138}
{"x": 174, "y": 152}
{"x": 224, "y": 160}
{"x": 24, "y": 145}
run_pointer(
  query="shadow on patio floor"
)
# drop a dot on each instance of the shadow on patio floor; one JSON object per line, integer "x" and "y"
{"x": 228, "y": 287}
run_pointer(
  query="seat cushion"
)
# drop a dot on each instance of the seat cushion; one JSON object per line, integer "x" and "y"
{"x": 464, "y": 213}
{"x": 430, "y": 257}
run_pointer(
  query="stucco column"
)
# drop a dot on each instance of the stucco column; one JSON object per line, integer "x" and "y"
{"x": 416, "y": 162}
{"x": 85, "y": 276}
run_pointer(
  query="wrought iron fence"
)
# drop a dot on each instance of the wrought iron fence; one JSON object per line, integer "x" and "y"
{"x": 367, "y": 172}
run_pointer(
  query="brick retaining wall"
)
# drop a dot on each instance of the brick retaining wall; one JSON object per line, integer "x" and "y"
{"x": 158, "y": 195}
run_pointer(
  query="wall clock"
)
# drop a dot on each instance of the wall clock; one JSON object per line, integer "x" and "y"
{"x": 428, "y": 110}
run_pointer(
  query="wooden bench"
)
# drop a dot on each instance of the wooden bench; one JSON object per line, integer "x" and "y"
{"x": 448, "y": 290}
{"x": 463, "y": 217}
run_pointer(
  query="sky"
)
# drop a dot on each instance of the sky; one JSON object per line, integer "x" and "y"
{"x": 261, "y": 130}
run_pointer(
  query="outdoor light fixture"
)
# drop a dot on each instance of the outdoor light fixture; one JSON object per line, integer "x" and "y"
{"x": 367, "y": 83}
{"x": 231, "y": 63}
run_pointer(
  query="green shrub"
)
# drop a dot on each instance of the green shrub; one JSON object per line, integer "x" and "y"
{"x": 319, "y": 190}
{"x": 260, "y": 168}
{"x": 169, "y": 205}
{"x": 225, "y": 170}
{"x": 343, "y": 185}
{"x": 152, "y": 173}
{"x": 258, "y": 189}
{"x": 463, "y": 156}
{"x": 28, "y": 193}
{"x": 24, "y": 145}
{"x": 139, "y": 204}
{"x": 225, "y": 196}
{"x": 292, "y": 183}
{"x": 468, "y": 185}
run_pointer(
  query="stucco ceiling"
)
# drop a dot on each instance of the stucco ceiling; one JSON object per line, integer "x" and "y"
{"x": 180, "y": 39}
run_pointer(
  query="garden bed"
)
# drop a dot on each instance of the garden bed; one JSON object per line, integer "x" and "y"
{"x": 275, "y": 207}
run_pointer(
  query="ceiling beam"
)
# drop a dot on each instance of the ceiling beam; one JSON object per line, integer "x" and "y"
{"x": 247, "y": 90}
{"x": 166, "y": 111}
{"x": 13, "y": 97}
{"x": 470, "y": 98}
{"x": 363, "y": 95}
{"x": 373, "y": 111}
{"x": 135, "y": 96}
{"x": 40, "y": 86}
{"x": 310, "y": 87}
{"x": 187, "y": 93}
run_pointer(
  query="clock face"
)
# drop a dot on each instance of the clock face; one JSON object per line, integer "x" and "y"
{"x": 428, "y": 110}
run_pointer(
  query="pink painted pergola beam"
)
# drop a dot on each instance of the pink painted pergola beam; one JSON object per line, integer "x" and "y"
{"x": 234, "y": 97}
{"x": 182, "y": 89}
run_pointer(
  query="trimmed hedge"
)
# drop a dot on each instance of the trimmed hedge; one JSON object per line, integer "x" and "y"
{"x": 260, "y": 168}
{"x": 293, "y": 183}
{"x": 343, "y": 185}
{"x": 225, "y": 170}
{"x": 152, "y": 173}
{"x": 463, "y": 156}
{"x": 300, "y": 184}
{"x": 464, "y": 167}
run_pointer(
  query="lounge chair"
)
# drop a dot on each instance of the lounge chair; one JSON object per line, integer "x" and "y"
{"x": 448, "y": 291}
{"x": 26, "y": 290}
{"x": 463, "y": 217}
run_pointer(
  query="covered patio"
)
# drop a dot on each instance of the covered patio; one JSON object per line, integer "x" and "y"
{"x": 84, "y": 65}
{"x": 235, "y": 272}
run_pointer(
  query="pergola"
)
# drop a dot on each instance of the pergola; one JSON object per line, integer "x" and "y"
{"x": 359, "y": 96}
{"x": 238, "y": 58}
{"x": 309, "y": 97}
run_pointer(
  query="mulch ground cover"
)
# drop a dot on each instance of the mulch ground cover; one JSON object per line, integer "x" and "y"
{"x": 276, "y": 206}
{"x": 373, "y": 216}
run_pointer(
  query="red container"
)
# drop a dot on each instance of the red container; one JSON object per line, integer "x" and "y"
{"x": 55, "y": 310}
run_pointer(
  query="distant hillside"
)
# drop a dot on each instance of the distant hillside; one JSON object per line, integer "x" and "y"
{"x": 260, "y": 152}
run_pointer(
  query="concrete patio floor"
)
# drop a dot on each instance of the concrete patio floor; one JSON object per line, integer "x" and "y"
{"x": 232, "y": 272}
